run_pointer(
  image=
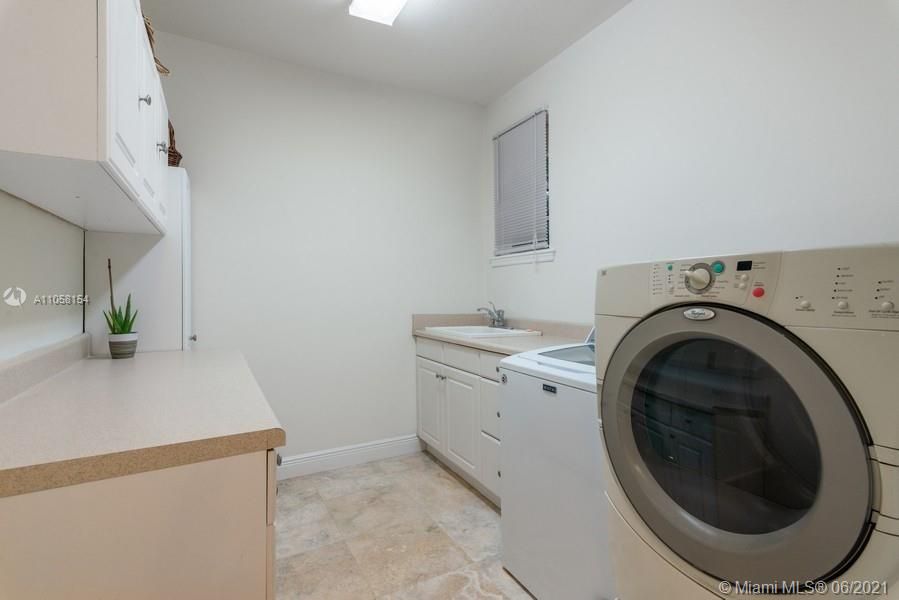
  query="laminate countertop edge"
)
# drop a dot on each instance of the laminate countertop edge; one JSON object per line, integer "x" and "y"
{"x": 36, "y": 478}
{"x": 500, "y": 345}
{"x": 99, "y": 419}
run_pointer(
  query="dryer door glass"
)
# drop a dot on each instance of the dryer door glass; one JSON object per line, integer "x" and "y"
{"x": 737, "y": 446}
{"x": 726, "y": 436}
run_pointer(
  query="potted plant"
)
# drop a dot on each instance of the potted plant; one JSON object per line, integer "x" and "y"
{"x": 122, "y": 337}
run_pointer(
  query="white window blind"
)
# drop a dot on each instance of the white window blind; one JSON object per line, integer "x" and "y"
{"x": 521, "y": 204}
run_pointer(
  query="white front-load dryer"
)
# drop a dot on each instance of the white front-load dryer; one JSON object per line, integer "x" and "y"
{"x": 750, "y": 409}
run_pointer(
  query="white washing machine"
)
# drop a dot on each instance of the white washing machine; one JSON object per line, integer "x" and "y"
{"x": 750, "y": 409}
{"x": 554, "y": 527}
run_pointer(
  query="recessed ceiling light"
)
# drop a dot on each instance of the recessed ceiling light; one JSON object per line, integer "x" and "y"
{"x": 379, "y": 11}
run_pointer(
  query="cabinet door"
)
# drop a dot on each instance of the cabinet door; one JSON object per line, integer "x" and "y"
{"x": 124, "y": 57}
{"x": 187, "y": 532}
{"x": 430, "y": 388}
{"x": 462, "y": 419}
{"x": 491, "y": 473}
{"x": 149, "y": 166}
{"x": 490, "y": 415}
{"x": 161, "y": 155}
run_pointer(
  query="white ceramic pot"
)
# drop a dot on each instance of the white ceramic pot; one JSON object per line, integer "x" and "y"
{"x": 122, "y": 345}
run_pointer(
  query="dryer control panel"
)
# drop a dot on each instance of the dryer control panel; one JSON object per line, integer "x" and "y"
{"x": 748, "y": 281}
{"x": 855, "y": 288}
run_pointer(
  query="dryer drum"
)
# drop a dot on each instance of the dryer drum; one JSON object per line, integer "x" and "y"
{"x": 737, "y": 446}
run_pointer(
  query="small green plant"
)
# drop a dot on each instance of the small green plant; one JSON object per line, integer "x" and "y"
{"x": 118, "y": 320}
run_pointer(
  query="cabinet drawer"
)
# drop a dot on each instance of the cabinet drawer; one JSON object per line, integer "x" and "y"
{"x": 491, "y": 473}
{"x": 430, "y": 349}
{"x": 490, "y": 413}
{"x": 489, "y": 365}
{"x": 460, "y": 357}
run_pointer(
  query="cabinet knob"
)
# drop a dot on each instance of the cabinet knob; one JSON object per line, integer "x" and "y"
{"x": 162, "y": 147}
{"x": 146, "y": 99}
{"x": 504, "y": 379}
{"x": 497, "y": 415}
{"x": 499, "y": 473}
{"x": 193, "y": 338}
{"x": 278, "y": 459}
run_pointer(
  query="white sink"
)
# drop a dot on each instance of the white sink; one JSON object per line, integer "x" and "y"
{"x": 479, "y": 331}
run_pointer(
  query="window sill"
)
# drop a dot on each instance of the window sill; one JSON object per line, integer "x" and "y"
{"x": 524, "y": 258}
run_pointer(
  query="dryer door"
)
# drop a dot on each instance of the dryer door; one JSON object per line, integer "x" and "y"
{"x": 737, "y": 446}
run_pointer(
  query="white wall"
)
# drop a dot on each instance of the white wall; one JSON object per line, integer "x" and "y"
{"x": 149, "y": 268}
{"x": 325, "y": 212}
{"x": 703, "y": 127}
{"x": 41, "y": 254}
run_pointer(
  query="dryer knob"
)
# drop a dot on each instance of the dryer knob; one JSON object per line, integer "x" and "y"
{"x": 698, "y": 278}
{"x": 887, "y": 306}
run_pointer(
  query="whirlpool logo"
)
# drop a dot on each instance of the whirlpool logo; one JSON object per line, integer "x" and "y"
{"x": 15, "y": 296}
{"x": 699, "y": 314}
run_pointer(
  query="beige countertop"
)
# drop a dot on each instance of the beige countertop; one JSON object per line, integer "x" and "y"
{"x": 102, "y": 418}
{"x": 502, "y": 345}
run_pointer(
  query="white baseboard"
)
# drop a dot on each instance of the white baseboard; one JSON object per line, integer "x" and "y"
{"x": 347, "y": 456}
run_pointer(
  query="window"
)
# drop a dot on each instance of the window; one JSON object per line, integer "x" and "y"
{"x": 521, "y": 204}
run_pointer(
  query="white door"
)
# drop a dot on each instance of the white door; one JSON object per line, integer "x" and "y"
{"x": 178, "y": 199}
{"x": 430, "y": 389}
{"x": 125, "y": 96}
{"x": 462, "y": 419}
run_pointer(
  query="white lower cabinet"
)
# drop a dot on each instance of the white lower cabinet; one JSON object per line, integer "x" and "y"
{"x": 201, "y": 530}
{"x": 430, "y": 390}
{"x": 491, "y": 472}
{"x": 462, "y": 413}
{"x": 458, "y": 410}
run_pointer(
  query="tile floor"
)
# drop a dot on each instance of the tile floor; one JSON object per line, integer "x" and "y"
{"x": 401, "y": 528}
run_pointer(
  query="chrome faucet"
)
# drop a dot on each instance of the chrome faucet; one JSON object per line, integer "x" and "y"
{"x": 497, "y": 315}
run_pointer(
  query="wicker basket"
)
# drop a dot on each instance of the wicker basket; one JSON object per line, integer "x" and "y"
{"x": 174, "y": 155}
{"x": 163, "y": 70}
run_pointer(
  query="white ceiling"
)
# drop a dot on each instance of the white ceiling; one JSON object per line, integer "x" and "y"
{"x": 466, "y": 49}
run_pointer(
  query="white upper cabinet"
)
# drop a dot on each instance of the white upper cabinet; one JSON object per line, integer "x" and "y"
{"x": 154, "y": 135}
{"x": 126, "y": 90}
{"x": 84, "y": 121}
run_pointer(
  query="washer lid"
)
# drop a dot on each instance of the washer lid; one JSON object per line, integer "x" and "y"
{"x": 571, "y": 364}
{"x": 585, "y": 354}
{"x": 737, "y": 446}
